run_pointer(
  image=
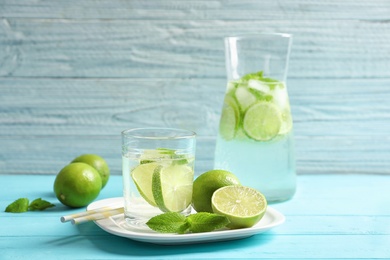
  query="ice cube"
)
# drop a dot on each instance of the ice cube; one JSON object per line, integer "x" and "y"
{"x": 259, "y": 85}
{"x": 280, "y": 97}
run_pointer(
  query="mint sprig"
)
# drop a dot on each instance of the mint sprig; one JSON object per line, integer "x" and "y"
{"x": 22, "y": 205}
{"x": 172, "y": 222}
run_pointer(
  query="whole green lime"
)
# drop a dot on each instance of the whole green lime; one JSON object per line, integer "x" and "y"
{"x": 77, "y": 185}
{"x": 206, "y": 184}
{"x": 98, "y": 163}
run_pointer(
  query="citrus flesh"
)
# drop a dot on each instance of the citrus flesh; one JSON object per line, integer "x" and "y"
{"x": 172, "y": 187}
{"x": 229, "y": 118}
{"x": 255, "y": 107}
{"x": 77, "y": 185}
{"x": 98, "y": 163}
{"x": 142, "y": 176}
{"x": 243, "y": 206}
{"x": 262, "y": 121}
{"x": 206, "y": 184}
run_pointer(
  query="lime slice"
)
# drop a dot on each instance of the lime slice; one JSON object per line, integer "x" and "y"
{"x": 262, "y": 121}
{"x": 154, "y": 155}
{"x": 142, "y": 176}
{"x": 172, "y": 187}
{"x": 286, "y": 122}
{"x": 229, "y": 118}
{"x": 243, "y": 206}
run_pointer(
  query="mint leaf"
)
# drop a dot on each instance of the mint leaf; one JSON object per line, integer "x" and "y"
{"x": 172, "y": 222}
{"x": 169, "y": 222}
{"x": 40, "y": 204}
{"x": 185, "y": 228}
{"x": 206, "y": 222}
{"x": 18, "y": 206}
{"x": 256, "y": 75}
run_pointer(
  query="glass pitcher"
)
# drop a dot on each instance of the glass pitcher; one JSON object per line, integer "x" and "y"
{"x": 255, "y": 138}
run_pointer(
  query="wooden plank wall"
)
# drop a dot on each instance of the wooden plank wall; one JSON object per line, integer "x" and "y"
{"x": 75, "y": 73}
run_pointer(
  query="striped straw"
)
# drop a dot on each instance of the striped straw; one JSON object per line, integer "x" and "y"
{"x": 90, "y": 215}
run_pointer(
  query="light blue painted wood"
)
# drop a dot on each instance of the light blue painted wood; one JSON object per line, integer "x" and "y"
{"x": 331, "y": 216}
{"x": 73, "y": 74}
{"x": 198, "y": 10}
{"x": 182, "y": 49}
{"x": 49, "y": 124}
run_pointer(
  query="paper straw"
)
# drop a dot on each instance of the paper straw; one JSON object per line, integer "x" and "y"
{"x": 94, "y": 214}
{"x": 97, "y": 216}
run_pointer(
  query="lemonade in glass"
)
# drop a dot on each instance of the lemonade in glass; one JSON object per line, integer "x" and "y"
{"x": 255, "y": 139}
{"x": 158, "y": 172}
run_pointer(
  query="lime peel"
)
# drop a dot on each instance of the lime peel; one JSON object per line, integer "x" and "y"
{"x": 172, "y": 187}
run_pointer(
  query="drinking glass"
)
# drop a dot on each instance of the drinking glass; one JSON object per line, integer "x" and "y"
{"x": 255, "y": 138}
{"x": 158, "y": 172}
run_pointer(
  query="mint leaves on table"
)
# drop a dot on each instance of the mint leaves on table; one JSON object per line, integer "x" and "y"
{"x": 23, "y": 205}
{"x": 39, "y": 204}
{"x": 18, "y": 206}
{"x": 172, "y": 222}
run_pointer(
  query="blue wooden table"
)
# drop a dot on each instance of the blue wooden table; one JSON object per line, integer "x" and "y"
{"x": 331, "y": 216}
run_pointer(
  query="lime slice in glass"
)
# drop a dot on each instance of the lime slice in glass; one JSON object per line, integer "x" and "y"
{"x": 172, "y": 187}
{"x": 154, "y": 155}
{"x": 243, "y": 206}
{"x": 142, "y": 176}
{"x": 230, "y": 118}
{"x": 262, "y": 121}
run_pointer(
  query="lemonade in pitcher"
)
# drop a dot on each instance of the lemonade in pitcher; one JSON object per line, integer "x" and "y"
{"x": 255, "y": 138}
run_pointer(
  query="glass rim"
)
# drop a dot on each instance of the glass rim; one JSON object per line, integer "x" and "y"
{"x": 180, "y": 133}
{"x": 259, "y": 34}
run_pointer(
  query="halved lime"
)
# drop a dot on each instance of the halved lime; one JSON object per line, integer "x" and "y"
{"x": 262, "y": 121}
{"x": 229, "y": 118}
{"x": 243, "y": 206}
{"x": 172, "y": 187}
{"x": 205, "y": 185}
{"x": 142, "y": 176}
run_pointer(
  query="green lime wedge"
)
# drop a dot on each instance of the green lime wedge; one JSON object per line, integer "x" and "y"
{"x": 230, "y": 118}
{"x": 243, "y": 206}
{"x": 262, "y": 121}
{"x": 142, "y": 176}
{"x": 172, "y": 187}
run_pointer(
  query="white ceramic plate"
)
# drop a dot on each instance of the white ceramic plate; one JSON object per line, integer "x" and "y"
{"x": 117, "y": 225}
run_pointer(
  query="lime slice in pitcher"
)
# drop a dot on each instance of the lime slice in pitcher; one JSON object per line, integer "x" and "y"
{"x": 286, "y": 122}
{"x": 262, "y": 121}
{"x": 229, "y": 118}
{"x": 172, "y": 187}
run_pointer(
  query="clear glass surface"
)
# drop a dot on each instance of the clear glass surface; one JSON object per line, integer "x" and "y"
{"x": 158, "y": 171}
